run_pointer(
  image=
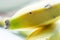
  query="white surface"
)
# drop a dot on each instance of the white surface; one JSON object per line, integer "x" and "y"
{"x": 7, "y": 35}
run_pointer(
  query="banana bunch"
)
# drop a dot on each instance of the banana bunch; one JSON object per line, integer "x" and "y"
{"x": 43, "y": 18}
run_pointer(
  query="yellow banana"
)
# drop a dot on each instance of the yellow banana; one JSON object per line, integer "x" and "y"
{"x": 45, "y": 19}
{"x": 33, "y": 15}
{"x": 41, "y": 33}
{"x": 36, "y": 16}
{"x": 47, "y": 32}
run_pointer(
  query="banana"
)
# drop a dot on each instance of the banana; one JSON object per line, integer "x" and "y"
{"x": 33, "y": 15}
{"x": 36, "y": 15}
{"x": 41, "y": 33}
{"x": 47, "y": 32}
{"x": 56, "y": 33}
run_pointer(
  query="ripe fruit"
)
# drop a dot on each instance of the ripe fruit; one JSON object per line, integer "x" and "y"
{"x": 30, "y": 17}
{"x": 47, "y": 32}
{"x": 42, "y": 33}
{"x": 36, "y": 16}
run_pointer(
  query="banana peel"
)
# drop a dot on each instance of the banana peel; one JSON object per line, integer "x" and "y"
{"x": 46, "y": 32}
{"x": 30, "y": 18}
